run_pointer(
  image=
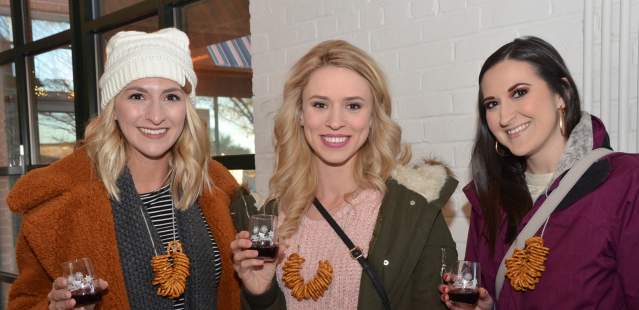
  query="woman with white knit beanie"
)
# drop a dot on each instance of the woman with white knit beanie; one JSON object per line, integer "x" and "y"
{"x": 140, "y": 197}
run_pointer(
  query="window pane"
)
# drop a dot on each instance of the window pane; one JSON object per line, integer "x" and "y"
{"x": 9, "y": 224}
{"x": 219, "y": 33}
{"x": 47, "y": 18}
{"x": 53, "y": 101}
{"x": 146, "y": 25}
{"x": 6, "y": 29}
{"x": 9, "y": 122}
{"x": 231, "y": 132}
{"x": 109, "y": 6}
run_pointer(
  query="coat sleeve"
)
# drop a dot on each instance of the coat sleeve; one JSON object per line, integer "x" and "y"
{"x": 31, "y": 287}
{"x": 476, "y": 247}
{"x": 628, "y": 245}
{"x": 428, "y": 270}
{"x": 273, "y": 299}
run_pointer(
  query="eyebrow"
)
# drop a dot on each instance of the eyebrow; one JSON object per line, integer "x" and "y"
{"x": 135, "y": 88}
{"x": 327, "y": 99}
{"x": 174, "y": 89}
{"x": 517, "y": 85}
{"x": 143, "y": 90}
{"x": 511, "y": 88}
{"x": 317, "y": 97}
{"x": 487, "y": 98}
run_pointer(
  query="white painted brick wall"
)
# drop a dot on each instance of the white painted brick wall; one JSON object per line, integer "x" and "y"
{"x": 431, "y": 52}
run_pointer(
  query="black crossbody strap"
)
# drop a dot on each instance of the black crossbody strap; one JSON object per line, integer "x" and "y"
{"x": 356, "y": 253}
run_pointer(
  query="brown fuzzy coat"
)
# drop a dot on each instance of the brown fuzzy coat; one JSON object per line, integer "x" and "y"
{"x": 67, "y": 214}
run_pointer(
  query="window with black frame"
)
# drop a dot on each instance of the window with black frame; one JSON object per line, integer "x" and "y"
{"x": 48, "y": 83}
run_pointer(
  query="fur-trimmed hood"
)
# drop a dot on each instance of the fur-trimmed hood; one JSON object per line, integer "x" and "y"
{"x": 426, "y": 178}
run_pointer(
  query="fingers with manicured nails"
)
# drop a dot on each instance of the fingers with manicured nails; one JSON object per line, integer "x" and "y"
{"x": 442, "y": 288}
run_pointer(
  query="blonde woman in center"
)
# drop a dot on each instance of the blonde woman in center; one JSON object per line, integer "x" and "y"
{"x": 335, "y": 141}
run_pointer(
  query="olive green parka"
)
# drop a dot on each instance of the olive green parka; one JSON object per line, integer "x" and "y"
{"x": 405, "y": 248}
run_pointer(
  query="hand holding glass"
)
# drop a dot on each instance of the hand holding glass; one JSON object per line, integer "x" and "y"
{"x": 464, "y": 283}
{"x": 81, "y": 279}
{"x": 263, "y": 230}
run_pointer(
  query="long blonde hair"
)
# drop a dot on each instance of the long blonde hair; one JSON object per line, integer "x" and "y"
{"x": 106, "y": 147}
{"x": 294, "y": 180}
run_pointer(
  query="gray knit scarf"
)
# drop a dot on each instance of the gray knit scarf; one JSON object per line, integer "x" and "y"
{"x": 136, "y": 251}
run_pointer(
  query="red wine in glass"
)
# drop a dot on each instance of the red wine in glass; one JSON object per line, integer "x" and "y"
{"x": 465, "y": 279}
{"x": 85, "y": 297}
{"x": 265, "y": 250}
{"x": 263, "y": 228}
{"x": 80, "y": 277}
{"x": 465, "y": 295}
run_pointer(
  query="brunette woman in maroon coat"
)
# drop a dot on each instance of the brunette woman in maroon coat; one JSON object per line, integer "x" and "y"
{"x": 531, "y": 132}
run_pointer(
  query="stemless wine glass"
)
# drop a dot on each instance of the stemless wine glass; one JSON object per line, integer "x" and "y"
{"x": 80, "y": 277}
{"x": 263, "y": 229}
{"x": 464, "y": 282}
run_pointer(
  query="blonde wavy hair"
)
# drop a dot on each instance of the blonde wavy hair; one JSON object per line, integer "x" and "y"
{"x": 106, "y": 147}
{"x": 294, "y": 180}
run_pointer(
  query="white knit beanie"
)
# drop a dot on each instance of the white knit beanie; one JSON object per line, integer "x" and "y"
{"x": 133, "y": 55}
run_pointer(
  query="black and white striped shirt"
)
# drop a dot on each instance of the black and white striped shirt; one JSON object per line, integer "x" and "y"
{"x": 159, "y": 206}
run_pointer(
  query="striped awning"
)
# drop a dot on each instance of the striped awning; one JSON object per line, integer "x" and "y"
{"x": 232, "y": 53}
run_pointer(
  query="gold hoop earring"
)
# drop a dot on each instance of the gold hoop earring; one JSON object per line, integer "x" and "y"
{"x": 497, "y": 150}
{"x": 562, "y": 126}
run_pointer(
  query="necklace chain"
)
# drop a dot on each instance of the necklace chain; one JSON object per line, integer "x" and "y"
{"x": 146, "y": 222}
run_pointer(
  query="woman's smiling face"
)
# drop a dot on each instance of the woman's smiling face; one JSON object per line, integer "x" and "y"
{"x": 151, "y": 113}
{"x": 522, "y": 112}
{"x": 336, "y": 114}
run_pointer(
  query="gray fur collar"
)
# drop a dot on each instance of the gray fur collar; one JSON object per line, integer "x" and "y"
{"x": 578, "y": 145}
{"x": 426, "y": 178}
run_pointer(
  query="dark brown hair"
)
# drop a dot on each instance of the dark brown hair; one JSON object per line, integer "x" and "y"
{"x": 499, "y": 179}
